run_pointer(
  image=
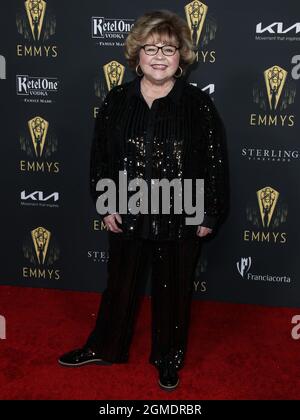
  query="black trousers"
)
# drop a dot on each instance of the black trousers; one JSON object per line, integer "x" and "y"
{"x": 173, "y": 266}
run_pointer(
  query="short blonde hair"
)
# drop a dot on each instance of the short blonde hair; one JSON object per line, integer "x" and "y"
{"x": 164, "y": 24}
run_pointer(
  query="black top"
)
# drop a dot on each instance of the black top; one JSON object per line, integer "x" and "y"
{"x": 181, "y": 136}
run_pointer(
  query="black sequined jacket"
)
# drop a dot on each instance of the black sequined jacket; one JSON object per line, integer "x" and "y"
{"x": 180, "y": 136}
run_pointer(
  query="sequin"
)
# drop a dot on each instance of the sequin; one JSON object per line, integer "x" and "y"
{"x": 171, "y": 263}
{"x": 181, "y": 136}
{"x": 173, "y": 358}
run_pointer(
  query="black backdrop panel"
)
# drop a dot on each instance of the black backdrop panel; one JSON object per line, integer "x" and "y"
{"x": 52, "y": 83}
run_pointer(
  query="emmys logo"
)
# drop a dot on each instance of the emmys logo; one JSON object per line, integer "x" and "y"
{"x": 2, "y": 67}
{"x": 200, "y": 285}
{"x": 267, "y": 199}
{"x": 196, "y": 16}
{"x": 244, "y": 265}
{"x": 275, "y": 78}
{"x": 40, "y": 251}
{"x": 274, "y": 97}
{"x": 41, "y": 238}
{"x": 35, "y": 13}
{"x": 36, "y": 24}
{"x": 38, "y": 144}
{"x": 38, "y": 198}
{"x": 2, "y": 328}
{"x": 267, "y": 215}
{"x": 38, "y": 128}
{"x": 99, "y": 225}
{"x": 113, "y": 74}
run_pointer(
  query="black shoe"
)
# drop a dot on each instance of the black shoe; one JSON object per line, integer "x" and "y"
{"x": 168, "y": 377}
{"x": 80, "y": 357}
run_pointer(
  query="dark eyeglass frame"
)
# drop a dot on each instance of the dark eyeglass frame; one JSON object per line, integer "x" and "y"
{"x": 160, "y": 48}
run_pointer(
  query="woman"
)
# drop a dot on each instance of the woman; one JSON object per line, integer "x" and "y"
{"x": 157, "y": 126}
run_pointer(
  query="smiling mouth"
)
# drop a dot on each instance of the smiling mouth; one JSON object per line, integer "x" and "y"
{"x": 159, "y": 66}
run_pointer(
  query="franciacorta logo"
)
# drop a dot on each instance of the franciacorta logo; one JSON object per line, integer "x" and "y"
{"x": 295, "y": 333}
{"x": 2, "y": 327}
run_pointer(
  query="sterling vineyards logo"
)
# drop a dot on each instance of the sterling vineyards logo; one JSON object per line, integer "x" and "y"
{"x": 273, "y": 154}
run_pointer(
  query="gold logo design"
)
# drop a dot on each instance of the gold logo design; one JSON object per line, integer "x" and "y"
{"x": 195, "y": 14}
{"x": 35, "y": 10}
{"x": 275, "y": 78}
{"x": 267, "y": 199}
{"x": 114, "y": 73}
{"x": 41, "y": 238}
{"x": 38, "y": 128}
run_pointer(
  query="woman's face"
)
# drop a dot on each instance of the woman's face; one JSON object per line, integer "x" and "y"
{"x": 159, "y": 67}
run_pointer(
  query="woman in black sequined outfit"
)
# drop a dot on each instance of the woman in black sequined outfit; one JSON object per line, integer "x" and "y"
{"x": 156, "y": 126}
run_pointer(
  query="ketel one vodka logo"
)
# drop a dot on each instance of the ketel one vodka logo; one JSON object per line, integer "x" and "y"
{"x": 36, "y": 89}
{"x": 274, "y": 97}
{"x": 39, "y": 144}
{"x": 36, "y": 23}
{"x": 111, "y": 32}
{"x": 266, "y": 217}
{"x": 42, "y": 252}
{"x": 202, "y": 29}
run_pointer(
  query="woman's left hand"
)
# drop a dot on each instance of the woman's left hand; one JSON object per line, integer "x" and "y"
{"x": 203, "y": 231}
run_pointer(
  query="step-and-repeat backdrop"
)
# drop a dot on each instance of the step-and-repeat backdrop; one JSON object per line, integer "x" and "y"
{"x": 58, "y": 59}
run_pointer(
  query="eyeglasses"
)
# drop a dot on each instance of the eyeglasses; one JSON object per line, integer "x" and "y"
{"x": 167, "y": 50}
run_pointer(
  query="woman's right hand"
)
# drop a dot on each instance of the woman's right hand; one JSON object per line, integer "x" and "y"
{"x": 111, "y": 224}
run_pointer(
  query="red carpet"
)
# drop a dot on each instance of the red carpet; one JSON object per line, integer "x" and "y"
{"x": 235, "y": 351}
